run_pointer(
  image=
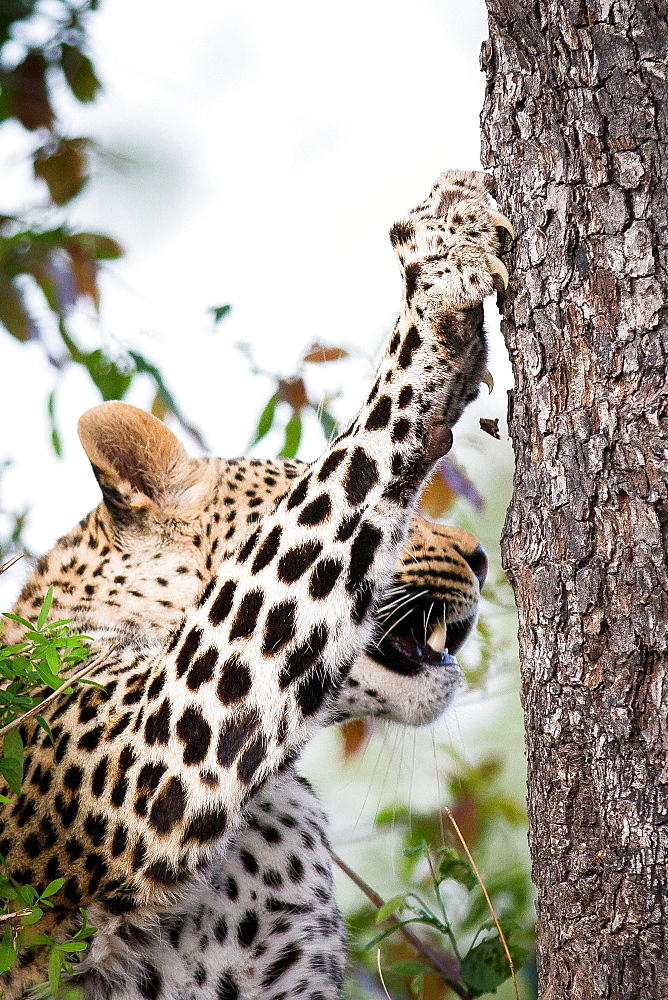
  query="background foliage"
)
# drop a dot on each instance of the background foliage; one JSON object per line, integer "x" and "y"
{"x": 47, "y": 270}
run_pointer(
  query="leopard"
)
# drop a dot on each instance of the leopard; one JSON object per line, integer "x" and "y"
{"x": 238, "y": 607}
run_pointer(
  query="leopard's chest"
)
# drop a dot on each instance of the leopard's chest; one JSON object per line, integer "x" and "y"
{"x": 255, "y": 918}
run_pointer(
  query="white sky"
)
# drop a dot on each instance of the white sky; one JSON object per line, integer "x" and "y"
{"x": 254, "y": 154}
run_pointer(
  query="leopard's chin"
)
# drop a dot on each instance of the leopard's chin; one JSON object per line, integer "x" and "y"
{"x": 401, "y": 652}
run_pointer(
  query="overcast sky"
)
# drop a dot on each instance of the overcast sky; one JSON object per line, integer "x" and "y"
{"x": 254, "y": 154}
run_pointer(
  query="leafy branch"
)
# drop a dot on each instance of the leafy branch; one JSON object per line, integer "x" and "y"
{"x": 492, "y": 954}
{"x": 294, "y": 393}
{"x": 440, "y": 961}
{"x": 64, "y": 688}
{"x": 42, "y": 259}
{"x": 46, "y": 651}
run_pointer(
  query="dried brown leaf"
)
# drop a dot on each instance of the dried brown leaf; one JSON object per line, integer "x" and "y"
{"x": 354, "y": 735}
{"x": 490, "y": 427}
{"x": 30, "y": 95}
{"x": 437, "y": 497}
{"x": 64, "y": 170}
{"x": 13, "y": 313}
{"x": 293, "y": 391}
{"x": 318, "y": 353}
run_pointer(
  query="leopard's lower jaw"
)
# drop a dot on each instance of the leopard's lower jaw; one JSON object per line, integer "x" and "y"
{"x": 410, "y": 697}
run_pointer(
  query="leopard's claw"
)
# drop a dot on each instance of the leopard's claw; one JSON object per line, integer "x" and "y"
{"x": 497, "y": 266}
{"x": 500, "y": 220}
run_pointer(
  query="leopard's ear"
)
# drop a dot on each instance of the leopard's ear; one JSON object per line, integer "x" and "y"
{"x": 139, "y": 464}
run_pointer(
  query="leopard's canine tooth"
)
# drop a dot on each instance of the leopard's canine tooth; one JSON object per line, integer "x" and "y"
{"x": 500, "y": 220}
{"x": 497, "y": 266}
{"x": 437, "y": 639}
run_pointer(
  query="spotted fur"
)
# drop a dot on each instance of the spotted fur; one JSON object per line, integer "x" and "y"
{"x": 252, "y": 602}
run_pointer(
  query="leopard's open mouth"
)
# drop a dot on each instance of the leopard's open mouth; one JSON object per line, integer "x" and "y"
{"x": 411, "y": 635}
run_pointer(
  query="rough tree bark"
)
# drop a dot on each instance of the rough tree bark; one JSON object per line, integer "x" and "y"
{"x": 575, "y": 131}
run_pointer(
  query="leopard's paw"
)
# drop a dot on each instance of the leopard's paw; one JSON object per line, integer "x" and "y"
{"x": 448, "y": 246}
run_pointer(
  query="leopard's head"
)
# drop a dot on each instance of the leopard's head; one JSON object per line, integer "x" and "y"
{"x": 167, "y": 521}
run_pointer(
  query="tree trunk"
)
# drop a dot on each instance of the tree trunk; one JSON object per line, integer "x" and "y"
{"x": 574, "y": 128}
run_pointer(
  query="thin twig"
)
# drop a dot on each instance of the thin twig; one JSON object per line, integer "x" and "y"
{"x": 14, "y": 918}
{"x": 63, "y": 687}
{"x": 10, "y": 562}
{"x": 489, "y": 901}
{"x": 442, "y": 962}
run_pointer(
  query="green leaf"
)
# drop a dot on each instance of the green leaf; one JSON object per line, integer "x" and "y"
{"x": 85, "y": 932}
{"x": 34, "y": 917}
{"x": 330, "y": 426}
{"x": 89, "y": 683}
{"x": 388, "y": 908}
{"x": 112, "y": 382}
{"x": 479, "y": 977}
{"x": 85, "y": 926}
{"x": 7, "y": 890}
{"x": 56, "y": 443}
{"x": 46, "y": 675}
{"x": 408, "y": 968}
{"x": 79, "y": 73}
{"x": 7, "y": 951}
{"x": 53, "y": 887}
{"x": 293, "y": 435}
{"x": 45, "y": 726}
{"x": 16, "y": 618}
{"x": 455, "y": 867}
{"x": 70, "y": 946}
{"x": 391, "y": 814}
{"x": 53, "y": 662}
{"x": 44, "y": 610}
{"x": 11, "y": 763}
{"x": 518, "y": 953}
{"x": 26, "y": 894}
{"x": 415, "y": 852}
{"x": 417, "y": 986}
{"x": 486, "y": 966}
{"x": 391, "y": 930}
{"x": 266, "y": 420}
{"x": 43, "y": 939}
{"x": 55, "y": 961}
{"x": 220, "y": 312}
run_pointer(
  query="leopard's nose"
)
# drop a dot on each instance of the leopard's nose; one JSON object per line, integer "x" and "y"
{"x": 477, "y": 560}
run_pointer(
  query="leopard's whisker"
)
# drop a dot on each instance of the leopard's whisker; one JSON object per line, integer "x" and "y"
{"x": 394, "y": 625}
{"x": 426, "y": 617}
{"x": 386, "y": 613}
{"x": 408, "y": 595}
